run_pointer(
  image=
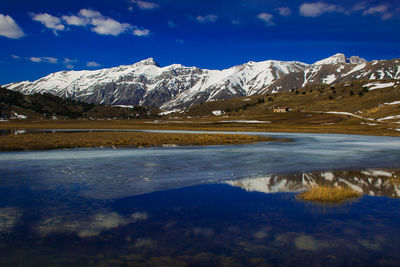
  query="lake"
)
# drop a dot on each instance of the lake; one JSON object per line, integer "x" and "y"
{"x": 202, "y": 206}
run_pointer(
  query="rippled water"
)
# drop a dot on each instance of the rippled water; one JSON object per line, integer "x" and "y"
{"x": 201, "y": 205}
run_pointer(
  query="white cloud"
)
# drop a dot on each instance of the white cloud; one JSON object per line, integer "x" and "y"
{"x": 94, "y": 19}
{"x": 51, "y": 60}
{"x": 386, "y": 16}
{"x": 359, "y": 6}
{"x": 141, "y": 32}
{"x": 381, "y": 10}
{"x": 9, "y": 28}
{"x": 69, "y": 63}
{"x": 207, "y": 18}
{"x": 236, "y": 22}
{"x": 15, "y": 57}
{"x": 68, "y": 60}
{"x": 101, "y": 24}
{"x": 145, "y": 5}
{"x": 92, "y": 64}
{"x": 267, "y": 18}
{"x": 172, "y": 24}
{"x": 51, "y": 22}
{"x": 108, "y": 26}
{"x": 35, "y": 59}
{"x": 376, "y": 9}
{"x": 74, "y": 20}
{"x": 319, "y": 8}
{"x": 284, "y": 11}
{"x": 88, "y": 13}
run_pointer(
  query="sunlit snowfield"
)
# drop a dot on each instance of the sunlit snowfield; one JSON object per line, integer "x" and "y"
{"x": 216, "y": 205}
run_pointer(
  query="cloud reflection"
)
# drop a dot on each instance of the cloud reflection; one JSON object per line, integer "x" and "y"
{"x": 9, "y": 217}
{"x": 89, "y": 226}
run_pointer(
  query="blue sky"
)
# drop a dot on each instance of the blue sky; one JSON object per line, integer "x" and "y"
{"x": 43, "y": 36}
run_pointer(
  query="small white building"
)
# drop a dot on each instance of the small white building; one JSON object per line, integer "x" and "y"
{"x": 281, "y": 109}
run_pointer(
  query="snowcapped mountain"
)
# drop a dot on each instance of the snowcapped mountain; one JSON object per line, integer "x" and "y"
{"x": 176, "y": 86}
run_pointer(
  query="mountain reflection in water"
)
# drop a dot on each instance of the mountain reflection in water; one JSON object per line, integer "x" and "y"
{"x": 368, "y": 182}
{"x": 213, "y": 225}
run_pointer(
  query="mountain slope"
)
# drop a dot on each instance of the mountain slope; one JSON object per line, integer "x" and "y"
{"x": 14, "y": 105}
{"x": 176, "y": 86}
{"x": 333, "y": 70}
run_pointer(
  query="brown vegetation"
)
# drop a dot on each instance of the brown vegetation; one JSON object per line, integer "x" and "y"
{"x": 328, "y": 194}
{"x": 119, "y": 139}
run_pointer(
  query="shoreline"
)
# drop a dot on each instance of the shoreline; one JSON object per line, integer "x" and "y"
{"x": 126, "y": 138}
{"x": 285, "y": 123}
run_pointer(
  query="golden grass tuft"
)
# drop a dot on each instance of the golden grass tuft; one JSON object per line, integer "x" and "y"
{"x": 328, "y": 194}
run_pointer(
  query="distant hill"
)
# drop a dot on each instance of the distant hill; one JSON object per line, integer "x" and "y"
{"x": 16, "y": 105}
{"x": 176, "y": 86}
{"x": 375, "y": 101}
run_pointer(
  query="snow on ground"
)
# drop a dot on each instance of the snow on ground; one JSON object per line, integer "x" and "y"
{"x": 370, "y": 124}
{"x": 15, "y": 115}
{"x": 124, "y": 106}
{"x": 374, "y": 86}
{"x": 247, "y": 99}
{"x": 157, "y": 121}
{"x": 348, "y": 113}
{"x": 392, "y": 103}
{"x": 376, "y": 173}
{"x": 168, "y": 112}
{"x": 355, "y": 69}
{"x": 18, "y": 132}
{"x": 389, "y": 118}
{"x": 340, "y": 68}
{"x": 245, "y": 121}
{"x": 329, "y": 79}
{"x": 217, "y": 112}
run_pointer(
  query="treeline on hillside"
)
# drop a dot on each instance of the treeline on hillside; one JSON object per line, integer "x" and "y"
{"x": 47, "y": 105}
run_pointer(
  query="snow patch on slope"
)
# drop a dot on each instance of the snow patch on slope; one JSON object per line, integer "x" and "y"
{"x": 374, "y": 86}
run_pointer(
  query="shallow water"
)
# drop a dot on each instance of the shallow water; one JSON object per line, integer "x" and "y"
{"x": 217, "y": 205}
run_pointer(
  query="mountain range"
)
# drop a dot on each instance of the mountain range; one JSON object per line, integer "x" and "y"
{"x": 176, "y": 86}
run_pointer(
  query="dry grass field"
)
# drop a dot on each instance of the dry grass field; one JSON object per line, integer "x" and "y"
{"x": 120, "y": 139}
{"x": 294, "y": 121}
{"x": 328, "y": 194}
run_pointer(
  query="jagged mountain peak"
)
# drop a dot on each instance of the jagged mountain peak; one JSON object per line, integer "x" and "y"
{"x": 147, "y": 62}
{"x": 340, "y": 58}
{"x": 357, "y": 60}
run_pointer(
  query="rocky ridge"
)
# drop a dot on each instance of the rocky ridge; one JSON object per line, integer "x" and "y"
{"x": 176, "y": 86}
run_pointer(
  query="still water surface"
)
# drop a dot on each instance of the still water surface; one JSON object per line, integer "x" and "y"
{"x": 201, "y": 206}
